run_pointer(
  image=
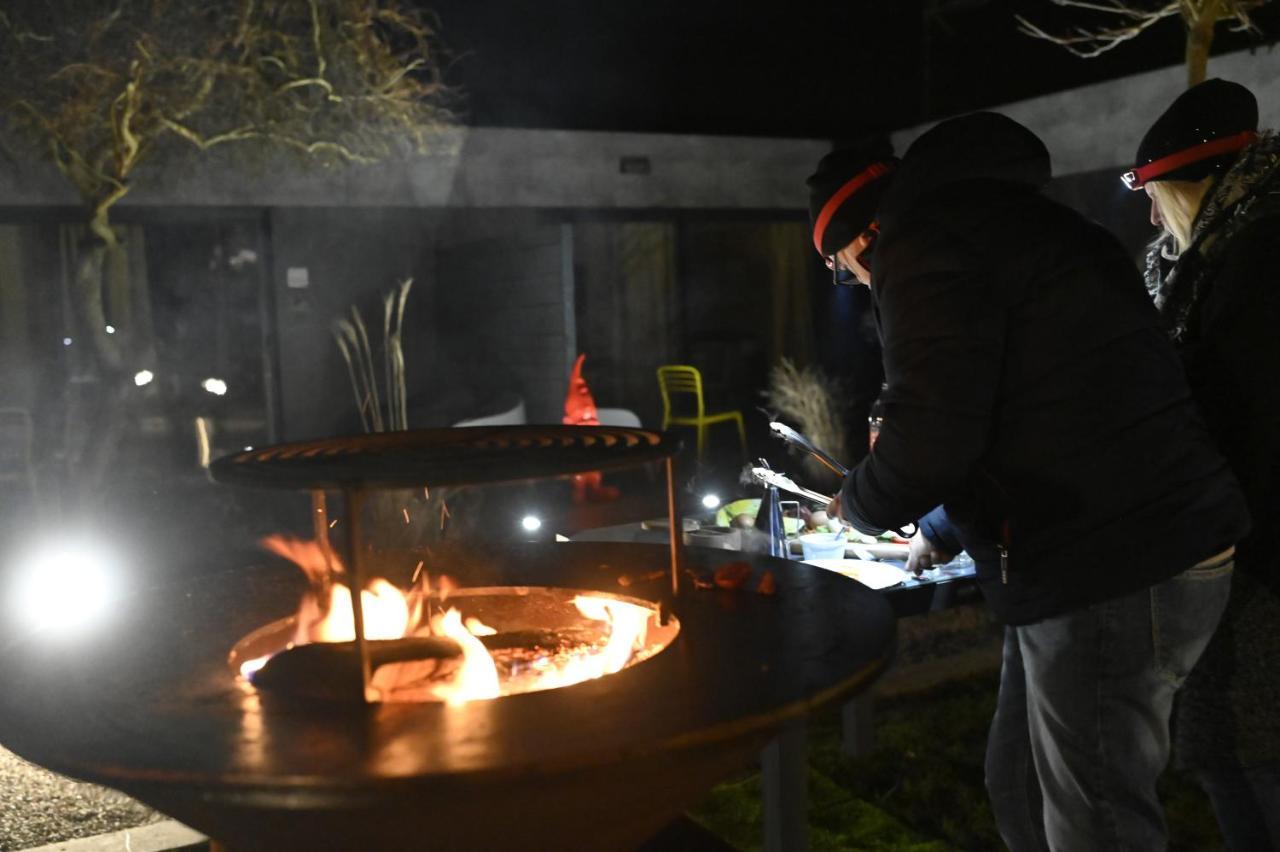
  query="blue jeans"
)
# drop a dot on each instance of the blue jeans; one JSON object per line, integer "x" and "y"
{"x": 1081, "y": 730}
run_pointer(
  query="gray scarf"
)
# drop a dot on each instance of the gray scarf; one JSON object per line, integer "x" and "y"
{"x": 1250, "y": 188}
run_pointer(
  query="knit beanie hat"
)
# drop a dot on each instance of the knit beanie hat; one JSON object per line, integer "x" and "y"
{"x": 1198, "y": 135}
{"x": 844, "y": 193}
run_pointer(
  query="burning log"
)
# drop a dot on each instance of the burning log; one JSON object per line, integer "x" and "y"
{"x": 325, "y": 670}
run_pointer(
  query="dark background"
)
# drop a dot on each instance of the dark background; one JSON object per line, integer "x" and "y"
{"x": 809, "y": 69}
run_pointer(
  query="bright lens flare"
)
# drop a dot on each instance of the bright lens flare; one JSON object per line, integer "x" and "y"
{"x": 711, "y": 501}
{"x": 65, "y": 588}
{"x": 532, "y": 523}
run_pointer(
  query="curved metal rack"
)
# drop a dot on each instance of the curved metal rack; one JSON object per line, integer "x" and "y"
{"x": 459, "y": 456}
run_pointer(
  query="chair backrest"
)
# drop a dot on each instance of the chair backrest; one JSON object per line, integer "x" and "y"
{"x": 679, "y": 379}
{"x": 624, "y": 417}
{"x": 514, "y": 417}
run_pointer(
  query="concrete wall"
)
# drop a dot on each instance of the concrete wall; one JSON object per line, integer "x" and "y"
{"x": 484, "y": 167}
{"x": 1098, "y": 127}
{"x": 505, "y": 308}
{"x": 351, "y": 256}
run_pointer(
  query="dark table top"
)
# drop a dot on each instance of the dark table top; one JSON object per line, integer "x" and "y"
{"x": 939, "y": 588}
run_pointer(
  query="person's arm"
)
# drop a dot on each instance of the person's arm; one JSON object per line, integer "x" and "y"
{"x": 940, "y": 532}
{"x": 943, "y": 326}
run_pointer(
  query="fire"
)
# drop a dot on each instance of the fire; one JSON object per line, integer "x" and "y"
{"x": 628, "y": 627}
{"x": 386, "y": 615}
{"x": 325, "y": 615}
{"x": 478, "y": 676}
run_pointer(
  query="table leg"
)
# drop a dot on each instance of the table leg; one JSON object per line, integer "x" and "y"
{"x": 943, "y": 594}
{"x": 785, "y": 783}
{"x": 857, "y": 724}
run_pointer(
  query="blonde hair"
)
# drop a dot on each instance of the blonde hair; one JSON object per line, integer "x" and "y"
{"x": 1179, "y": 203}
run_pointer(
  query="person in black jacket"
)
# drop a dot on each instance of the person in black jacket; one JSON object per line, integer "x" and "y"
{"x": 1032, "y": 393}
{"x": 1214, "y": 183}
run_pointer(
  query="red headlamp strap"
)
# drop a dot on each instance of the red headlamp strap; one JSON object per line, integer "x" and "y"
{"x": 842, "y": 195}
{"x": 1138, "y": 177}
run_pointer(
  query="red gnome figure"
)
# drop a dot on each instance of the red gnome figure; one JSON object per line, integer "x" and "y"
{"x": 580, "y": 410}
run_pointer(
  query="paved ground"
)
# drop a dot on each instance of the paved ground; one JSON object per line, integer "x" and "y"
{"x": 38, "y": 807}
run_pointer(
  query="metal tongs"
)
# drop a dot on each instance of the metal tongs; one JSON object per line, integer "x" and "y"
{"x": 767, "y": 475}
{"x": 791, "y": 436}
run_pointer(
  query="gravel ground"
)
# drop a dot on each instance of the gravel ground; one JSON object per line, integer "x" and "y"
{"x": 39, "y": 807}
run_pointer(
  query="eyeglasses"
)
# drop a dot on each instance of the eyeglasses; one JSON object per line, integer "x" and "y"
{"x": 842, "y": 275}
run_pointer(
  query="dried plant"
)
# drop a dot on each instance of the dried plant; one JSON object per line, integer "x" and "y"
{"x": 353, "y": 342}
{"x": 1113, "y": 22}
{"x": 810, "y": 400}
{"x": 400, "y": 519}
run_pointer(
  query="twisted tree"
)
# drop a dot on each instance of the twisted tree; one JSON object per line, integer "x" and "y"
{"x": 1106, "y": 24}
{"x": 103, "y": 88}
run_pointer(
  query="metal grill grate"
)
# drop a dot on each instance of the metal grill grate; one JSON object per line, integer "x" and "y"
{"x": 444, "y": 457}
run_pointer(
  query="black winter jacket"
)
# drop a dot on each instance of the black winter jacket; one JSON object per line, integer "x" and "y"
{"x": 1031, "y": 389}
{"x": 1222, "y": 305}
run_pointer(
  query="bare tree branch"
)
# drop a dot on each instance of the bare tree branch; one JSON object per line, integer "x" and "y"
{"x": 1110, "y": 23}
{"x": 107, "y": 85}
{"x": 1089, "y": 42}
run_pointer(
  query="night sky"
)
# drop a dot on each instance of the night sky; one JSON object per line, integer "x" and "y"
{"x": 807, "y": 69}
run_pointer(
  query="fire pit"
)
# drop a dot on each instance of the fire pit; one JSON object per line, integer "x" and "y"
{"x": 162, "y": 712}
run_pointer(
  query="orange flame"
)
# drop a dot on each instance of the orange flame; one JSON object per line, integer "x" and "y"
{"x": 478, "y": 676}
{"x": 325, "y": 615}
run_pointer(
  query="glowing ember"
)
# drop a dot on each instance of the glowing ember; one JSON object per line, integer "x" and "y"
{"x": 604, "y": 636}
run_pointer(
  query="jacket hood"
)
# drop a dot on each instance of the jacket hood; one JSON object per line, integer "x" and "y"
{"x": 981, "y": 145}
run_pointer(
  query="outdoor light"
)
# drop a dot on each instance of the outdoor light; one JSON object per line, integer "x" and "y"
{"x": 217, "y": 387}
{"x": 143, "y": 377}
{"x": 532, "y": 523}
{"x": 111, "y": 329}
{"x": 66, "y": 341}
{"x": 248, "y": 449}
{"x": 64, "y": 587}
{"x": 711, "y": 501}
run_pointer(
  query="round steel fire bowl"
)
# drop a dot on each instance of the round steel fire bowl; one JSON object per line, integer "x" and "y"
{"x": 151, "y": 708}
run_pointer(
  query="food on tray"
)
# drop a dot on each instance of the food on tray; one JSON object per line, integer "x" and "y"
{"x": 875, "y": 575}
{"x": 729, "y": 514}
{"x": 887, "y": 535}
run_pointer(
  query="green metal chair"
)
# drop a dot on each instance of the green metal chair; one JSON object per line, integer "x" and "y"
{"x": 681, "y": 379}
